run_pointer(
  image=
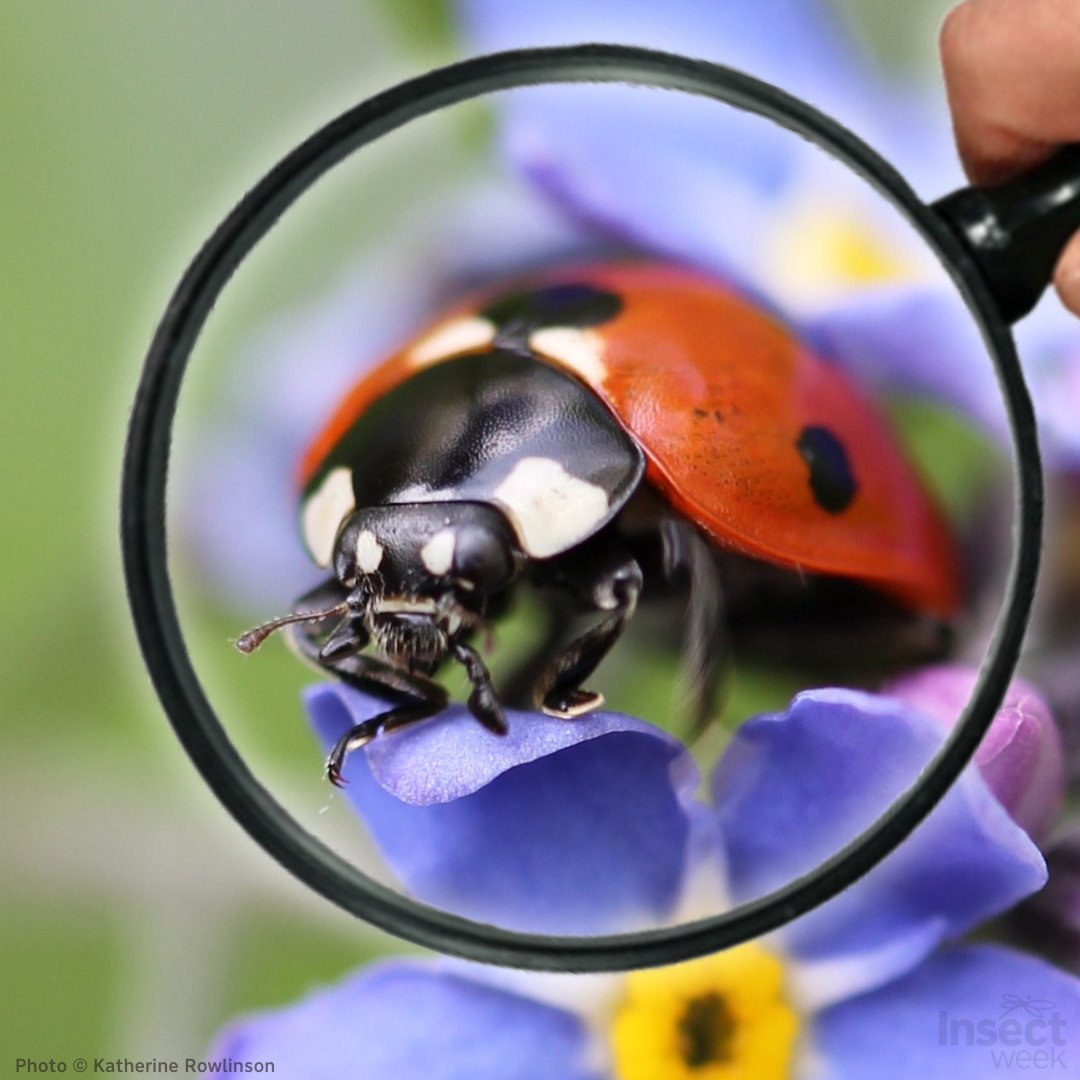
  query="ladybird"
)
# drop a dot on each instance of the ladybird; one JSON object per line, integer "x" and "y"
{"x": 600, "y": 435}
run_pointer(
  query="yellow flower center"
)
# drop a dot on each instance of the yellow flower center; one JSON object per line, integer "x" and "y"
{"x": 815, "y": 251}
{"x": 850, "y": 252}
{"x": 723, "y": 1017}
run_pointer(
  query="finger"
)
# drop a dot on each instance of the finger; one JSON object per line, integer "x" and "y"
{"x": 1012, "y": 74}
{"x": 1067, "y": 275}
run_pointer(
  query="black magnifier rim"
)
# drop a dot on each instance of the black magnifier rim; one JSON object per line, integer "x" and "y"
{"x": 144, "y": 540}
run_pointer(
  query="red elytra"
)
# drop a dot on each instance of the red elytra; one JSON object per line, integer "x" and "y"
{"x": 718, "y": 393}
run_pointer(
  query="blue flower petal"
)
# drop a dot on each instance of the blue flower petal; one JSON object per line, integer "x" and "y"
{"x": 966, "y": 1014}
{"x": 411, "y": 1022}
{"x": 575, "y": 827}
{"x": 794, "y": 788}
{"x": 236, "y": 478}
{"x": 666, "y": 189}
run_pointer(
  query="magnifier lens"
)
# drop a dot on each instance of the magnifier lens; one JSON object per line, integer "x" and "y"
{"x": 727, "y": 442}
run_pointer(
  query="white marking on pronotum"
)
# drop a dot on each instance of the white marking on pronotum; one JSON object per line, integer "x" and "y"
{"x": 581, "y": 351}
{"x": 550, "y": 509}
{"x": 369, "y": 552}
{"x": 450, "y": 338}
{"x": 326, "y": 508}
{"x": 438, "y": 553}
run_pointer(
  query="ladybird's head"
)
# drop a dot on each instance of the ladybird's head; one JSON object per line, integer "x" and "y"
{"x": 418, "y": 574}
{"x": 416, "y": 578}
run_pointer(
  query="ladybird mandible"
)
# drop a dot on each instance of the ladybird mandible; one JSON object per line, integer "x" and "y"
{"x": 599, "y": 434}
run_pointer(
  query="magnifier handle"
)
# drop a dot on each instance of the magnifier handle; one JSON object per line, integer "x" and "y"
{"x": 1016, "y": 232}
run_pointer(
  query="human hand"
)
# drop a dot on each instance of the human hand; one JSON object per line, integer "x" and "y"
{"x": 1012, "y": 73}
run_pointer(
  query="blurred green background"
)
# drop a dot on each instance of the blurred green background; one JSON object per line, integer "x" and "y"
{"x": 136, "y": 915}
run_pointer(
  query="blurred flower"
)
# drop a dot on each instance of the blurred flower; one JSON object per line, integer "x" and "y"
{"x": 855, "y": 988}
{"x": 687, "y": 177}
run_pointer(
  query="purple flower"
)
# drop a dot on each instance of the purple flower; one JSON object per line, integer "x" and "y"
{"x": 1021, "y": 756}
{"x": 872, "y": 983}
{"x": 673, "y": 173}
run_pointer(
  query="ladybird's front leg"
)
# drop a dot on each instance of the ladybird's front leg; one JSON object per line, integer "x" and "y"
{"x": 483, "y": 701}
{"x": 361, "y": 734}
{"x": 433, "y": 701}
{"x": 608, "y": 580}
{"x": 371, "y": 675}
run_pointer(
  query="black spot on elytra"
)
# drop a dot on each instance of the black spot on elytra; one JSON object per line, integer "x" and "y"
{"x": 574, "y": 304}
{"x": 716, "y": 414}
{"x": 831, "y": 479}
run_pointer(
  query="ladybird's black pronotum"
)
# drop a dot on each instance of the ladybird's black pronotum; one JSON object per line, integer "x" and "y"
{"x": 601, "y": 435}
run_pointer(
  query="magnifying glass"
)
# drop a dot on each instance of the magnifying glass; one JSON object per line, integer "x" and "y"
{"x": 999, "y": 249}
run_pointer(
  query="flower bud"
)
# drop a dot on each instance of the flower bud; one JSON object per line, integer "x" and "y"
{"x": 1020, "y": 757}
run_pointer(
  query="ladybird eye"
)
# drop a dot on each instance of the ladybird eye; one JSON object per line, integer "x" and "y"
{"x": 482, "y": 559}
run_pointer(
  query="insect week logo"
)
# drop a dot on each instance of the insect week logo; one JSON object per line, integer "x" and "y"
{"x": 1029, "y": 1033}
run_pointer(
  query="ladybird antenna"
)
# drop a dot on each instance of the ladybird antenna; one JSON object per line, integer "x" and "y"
{"x": 249, "y": 642}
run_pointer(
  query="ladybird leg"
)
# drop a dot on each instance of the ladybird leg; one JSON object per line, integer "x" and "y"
{"x": 372, "y": 675}
{"x": 616, "y": 589}
{"x": 689, "y": 560}
{"x": 517, "y": 687}
{"x": 483, "y": 702}
{"x": 361, "y": 734}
